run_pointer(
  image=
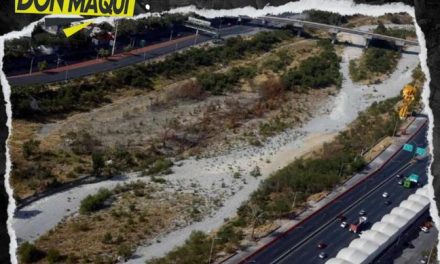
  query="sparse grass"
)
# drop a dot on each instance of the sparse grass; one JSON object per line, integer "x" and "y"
{"x": 129, "y": 221}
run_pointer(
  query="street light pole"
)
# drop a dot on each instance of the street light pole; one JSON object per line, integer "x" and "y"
{"x": 212, "y": 248}
{"x": 116, "y": 34}
{"x": 197, "y": 35}
{"x": 32, "y": 64}
{"x": 430, "y": 253}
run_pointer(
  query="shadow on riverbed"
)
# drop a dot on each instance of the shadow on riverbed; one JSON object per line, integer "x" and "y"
{"x": 26, "y": 214}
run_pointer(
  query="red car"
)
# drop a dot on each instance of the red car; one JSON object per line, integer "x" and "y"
{"x": 321, "y": 245}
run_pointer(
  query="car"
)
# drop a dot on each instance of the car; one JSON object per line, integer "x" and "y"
{"x": 341, "y": 218}
{"x": 362, "y": 212}
{"x": 424, "y": 229}
{"x": 387, "y": 202}
{"x": 385, "y": 195}
{"x": 322, "y": 255}
{"x": 398, "y": 176}
{"x": 344, "y": 224}
{"x": 321, "y": 245}
{"x": 400, "y": 182}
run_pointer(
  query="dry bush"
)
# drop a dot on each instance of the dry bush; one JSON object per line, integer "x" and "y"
{"x": 189, "y": 90}
{"x": 271, "y": 88}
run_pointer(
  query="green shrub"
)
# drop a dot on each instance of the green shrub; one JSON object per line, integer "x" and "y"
{"x": 395, "y": 32}
{"x": 95, "y": 202}
{"x": 53, "y": 256}
{"x": 107, "y": 239}
{"x": 98, "y": 163}
{"x": 30, "y": 148}
{"x": 325, "y": 17}
{"x": 220, "y": 83}
{"x": 160, "y": 166}
{"x": 372, "y": 62}
{"x": 316, "y": 72}
{"x": 125, "y": 251}
{"x": 195, "y": 250}
{"x": 28, "y": 253}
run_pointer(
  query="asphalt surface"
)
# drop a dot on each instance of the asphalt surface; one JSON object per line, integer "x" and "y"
{"x": 126, "y": 61}
{"x": 300, "y": 244}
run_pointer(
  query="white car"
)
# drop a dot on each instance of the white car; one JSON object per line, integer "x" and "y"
{"x": 424, "y": 229}
{"x": 344, "y": 224}
{"x": 322, "y": 255}
{"x": 385, "y": 195}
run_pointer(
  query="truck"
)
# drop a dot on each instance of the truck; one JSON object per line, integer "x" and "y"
{"x": 357, "y": 226}
{"x": 410, "y": 181}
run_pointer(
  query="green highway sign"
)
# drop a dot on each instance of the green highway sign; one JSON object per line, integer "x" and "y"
{"x": 408, "y": 147}
{"x": 421, "y": 151}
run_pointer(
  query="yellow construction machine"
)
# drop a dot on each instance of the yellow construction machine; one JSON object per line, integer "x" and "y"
{"x": 408, "y": 94}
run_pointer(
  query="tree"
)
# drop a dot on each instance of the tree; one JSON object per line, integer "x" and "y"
{"x": 98, "y": 163}
{"x": 257, "y": 215}
{"x": 380, "y": 29}
{"x": 42, "y": 65}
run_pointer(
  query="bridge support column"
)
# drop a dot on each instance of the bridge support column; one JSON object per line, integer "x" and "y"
{"x": 299, "y": 32}
{"x": 399, "y": 45}
{"x": 367, "y": 43}
{"x": 333, "y": 33}
{"x": 334, "y": 38}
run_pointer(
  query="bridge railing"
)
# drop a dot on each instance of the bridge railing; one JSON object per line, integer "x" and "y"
{"x": 338, "y": 29}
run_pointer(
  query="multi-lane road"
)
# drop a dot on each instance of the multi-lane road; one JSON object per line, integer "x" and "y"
{"x": 300, "y": 244}
{"x": 97, "y": 66}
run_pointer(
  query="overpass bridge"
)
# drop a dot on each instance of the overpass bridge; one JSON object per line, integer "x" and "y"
{"x": 334, "y": 30}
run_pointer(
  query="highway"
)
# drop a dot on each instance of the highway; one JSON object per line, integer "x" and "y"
{"x": 301, "y": 242}
{"x": 108, "y": 65}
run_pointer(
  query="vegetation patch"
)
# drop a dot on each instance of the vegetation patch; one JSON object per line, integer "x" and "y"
{"x": 326, "y": 17}
{"x": 139, "y": 213}
{"x": 94, "y": 202}
{"x": 219, "y": 83}
{"x": 39, "y": 101}
{"x": 318, "y": 71}
{"x": 373, "y": 65}
{"x": 402, "y": 33}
